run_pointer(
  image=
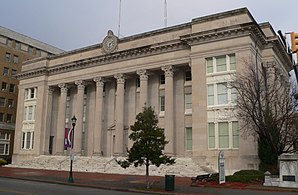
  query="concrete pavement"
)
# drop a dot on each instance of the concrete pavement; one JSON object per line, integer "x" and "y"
{"x": 130, "y": 182}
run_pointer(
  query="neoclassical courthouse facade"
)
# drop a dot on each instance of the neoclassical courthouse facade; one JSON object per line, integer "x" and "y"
{"x": 184, "y": 72}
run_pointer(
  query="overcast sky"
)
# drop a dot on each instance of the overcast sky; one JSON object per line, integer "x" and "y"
{"x": 72, "y": 24}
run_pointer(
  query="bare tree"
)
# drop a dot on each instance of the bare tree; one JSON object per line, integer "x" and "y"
{"x": 265, "y": 107}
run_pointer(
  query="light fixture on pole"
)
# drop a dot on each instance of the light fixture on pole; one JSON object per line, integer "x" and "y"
{"x": 73, "y": 123}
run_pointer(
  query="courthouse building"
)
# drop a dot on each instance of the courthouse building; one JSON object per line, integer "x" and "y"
{"x": 184, "y": 72}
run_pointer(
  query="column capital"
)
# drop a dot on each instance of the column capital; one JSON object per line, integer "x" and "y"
{"x": 99, "y": 81}
{"x": 120, "y": 78}
{"x": 169, "y": 70}
{"x": 143, "y": 74}
{"x": 63, "y": 87}
{"x": 51, "y": 89}
{"x": 81, "y": 84}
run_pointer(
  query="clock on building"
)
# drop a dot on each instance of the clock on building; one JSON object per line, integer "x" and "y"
{"x": 110, "y": 42}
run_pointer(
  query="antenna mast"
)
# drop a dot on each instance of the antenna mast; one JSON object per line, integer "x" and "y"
{"x": 165, "y": 14}
{"x": 119, "y": 19}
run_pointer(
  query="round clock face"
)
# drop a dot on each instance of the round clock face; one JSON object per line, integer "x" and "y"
{"x": 109, "y": 44}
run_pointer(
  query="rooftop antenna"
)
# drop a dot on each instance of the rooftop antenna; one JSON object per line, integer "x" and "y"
{"x": 165, "y": 14}
{"x": 119, "y": 19}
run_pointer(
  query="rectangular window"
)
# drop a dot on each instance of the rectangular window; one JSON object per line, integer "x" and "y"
{"x": 211, "y": 135}
{"x": 188, "y": 138}
{"x": 162, "y": 79}
{"x": 30, "y": 50}
{"x": 28, "y": 140}
{"x": 1, "y": 117}
{"x": 188, "y": 101}
{"x": 209, "y": 62}
{"x": 13, "y": 72}
{"x": 232, "y": 62}
{"x": 15, "y": 59}
{"x": 188, "y": 75}
{"x": 222, "y": 93}
{"x": 233, "y": 95}
{"x": 11, "y": 88}
{"x": 235, "y": 130}
{"x": 10, "y": 103}
{"x": 5, "y": 71}
{"x": 221, "y": 64}
{"x": 223, "y": 135}
{"x": 7, "y": 57}
{"x": 31, "y": 93}
{"x": 4, "y": 149}
{"x": 23, "y": 140}
{"x": 162, "y": 103}
{"x": 9, "y": 118}
{"x": 4, "y": 86}
{"x": 3, "y": 136}
{"x": 18, "y": 45}
{"x": 2, "y": 101}
{"x": 210, "y": 95}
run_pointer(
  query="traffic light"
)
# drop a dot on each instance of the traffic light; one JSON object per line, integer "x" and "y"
{"x": 294, "y": 41}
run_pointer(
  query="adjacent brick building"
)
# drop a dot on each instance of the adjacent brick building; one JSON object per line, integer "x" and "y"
{"x": 15, "y": 48}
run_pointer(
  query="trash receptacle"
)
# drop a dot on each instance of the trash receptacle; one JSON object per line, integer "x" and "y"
{"x": 170, "y": 182}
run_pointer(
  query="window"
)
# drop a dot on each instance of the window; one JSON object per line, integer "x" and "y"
{"x": 188, "y": 101}
{"x": 162, "y": 79}
{"x": 2, "y": 101}
{"x": 1, "y": 117}
{"x": 4, "y": 86}
{"x": 27, "y": 140}
{"x": 15, "y": 59}
{"x": 38, "y": 53}
{"x": 210, "y": 95}
{"x": 188, "y": 138}
{"x": 30, "y": 50}
{"x": 29, "y": 113}
{"x": 188, "y": 75}
{"x": 11, "y": 88}
{"x": 18, "y": 45}
{"x": 235, "y": 131}
{"x": 223, "y": 135}
{"x": 9, "y": 118}
{"x": 4, "y": 148}
{"x": 13, "y": 72}
{"x": 7, "y": 57}
{"x": 31, "y": 93}
{"x": 222, "y": 93}
{"x": 220, "y": 63}
{"x": 211, "y": 135}
{"x": 5, "y": 71}
{"x": 162, "y": 103}
{"x": 233, "y": 95}
{"x": 9, "y": 42}
{"x": 10, "y": 103}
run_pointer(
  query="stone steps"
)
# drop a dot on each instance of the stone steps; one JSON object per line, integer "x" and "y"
{"x": 184, "y": 167}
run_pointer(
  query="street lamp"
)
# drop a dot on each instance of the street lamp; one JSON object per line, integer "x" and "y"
{"x": 73, "y": 123}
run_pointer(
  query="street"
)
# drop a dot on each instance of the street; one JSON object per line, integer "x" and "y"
{"x": 22, "y": 187}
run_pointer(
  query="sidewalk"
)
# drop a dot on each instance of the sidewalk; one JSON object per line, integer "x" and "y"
{"x": 120, "y": 182}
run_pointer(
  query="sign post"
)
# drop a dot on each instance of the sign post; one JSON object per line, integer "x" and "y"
{"x": 221, "y": 167}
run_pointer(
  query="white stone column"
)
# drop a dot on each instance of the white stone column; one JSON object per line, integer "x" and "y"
{"x": 48, "y": 121}
{"x": 61, "y": 120}
{"x": 79, "y": 111}
{"x": 97, "y": 134}
{"x": 118, "y": 151}
{"x": 143, "y": 88}
{"x": 169, "y": 109}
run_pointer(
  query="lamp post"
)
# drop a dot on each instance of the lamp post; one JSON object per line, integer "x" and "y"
{"x": 73, "y": 122}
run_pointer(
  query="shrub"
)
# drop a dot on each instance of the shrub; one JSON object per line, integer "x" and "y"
{"x": 246, "y": 176}
{"x": 3, "y": 162}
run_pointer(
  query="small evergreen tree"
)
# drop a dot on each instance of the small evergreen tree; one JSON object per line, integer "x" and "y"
{"x": 149, "y": 143}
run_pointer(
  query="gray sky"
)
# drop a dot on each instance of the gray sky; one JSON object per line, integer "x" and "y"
{"x": 72, "y": 24}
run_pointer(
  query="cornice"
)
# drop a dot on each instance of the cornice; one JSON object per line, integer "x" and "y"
{"x": 134, "y": 53}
